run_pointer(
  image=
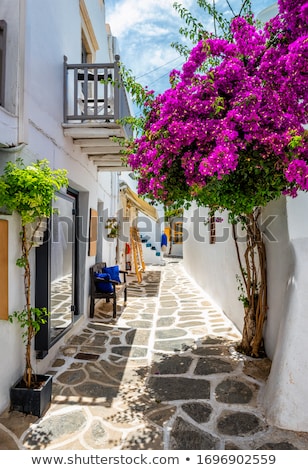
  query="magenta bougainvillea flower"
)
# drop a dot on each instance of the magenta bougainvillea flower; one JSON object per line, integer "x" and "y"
{"x": 230, "y": 131}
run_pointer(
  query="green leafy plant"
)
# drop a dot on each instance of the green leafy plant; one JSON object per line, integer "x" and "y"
{"x": 29, "y": 191}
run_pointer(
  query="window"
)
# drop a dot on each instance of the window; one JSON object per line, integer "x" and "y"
{"x": 2, "y": 59}
{"x": 177, "y": 232}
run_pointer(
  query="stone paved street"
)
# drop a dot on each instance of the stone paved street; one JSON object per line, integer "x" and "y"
{"x": 164, "y": 374}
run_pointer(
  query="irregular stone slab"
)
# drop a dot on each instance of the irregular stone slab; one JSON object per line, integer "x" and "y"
{"x": 129, "y": 351}
{"x": 147, "y": 316}
{"x": 7, "y": 442}
{"x": 146, "y": 438}
{"x": 78, "y": 340}
{"x": 212, "y": 365}
{"x": 178, "y": 388}
{"x": 96, "y": 434}
{"x": 278, "y": 446}
{"x": 72, "y": 377}
{"x": 93, "y": 350}
{"x": 99, "y": 327}
{"x": 15, "y": 422}
{"x": 199, "y": 331}
{"x": 231, "y": 446}
{"x": 211, "y": 351}
{"x": 115, "y": 341}
{"x": 258, "y": 368}
{"x": 167, "y": 297}
{"x": 172, "y": 365}
{"x": 170, "y": 333}
{"x": 69, "y": 351}
{"x": 222, "y": 329}
{"x": 54, "y": 428}
{"x": 86, "y": 356}
{"x": 239, "y": 424}
{"x": 103, "y": 372}
{"x": 161, "y": 414}
{"x": 169, "y": 303}
{"x": 95, "y": 390}
{"x": 173, "y": 345}
{"x": 165, "y": 311}
{"x": 200, "y": 412}
{"x": 212, "y": 339}
{"x": 98, "y": 340}
{"x": 58, "y": 363}
{"x": 139, "y": 324}
{"x": 100, "y": 437}
{"x": 190, "y": 324}
{"x": 185, "y": 436}
{"x": 165, "y": 321}
{"x": 233, "y": 391}
{"x": 137, "y": 337}
{"x": 188, "y": 313}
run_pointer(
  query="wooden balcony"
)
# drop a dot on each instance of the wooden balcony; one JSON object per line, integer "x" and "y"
{"x": 94, "y": 101}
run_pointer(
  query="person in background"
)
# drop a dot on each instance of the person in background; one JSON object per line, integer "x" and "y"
{"x": 164, "y": 242}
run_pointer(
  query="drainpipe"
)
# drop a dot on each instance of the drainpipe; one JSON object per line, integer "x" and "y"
{"x": 21, "y": 85}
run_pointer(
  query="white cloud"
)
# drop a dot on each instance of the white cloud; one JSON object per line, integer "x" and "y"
{"x": 127, "y": 14}
{"x": 146, "y": 28}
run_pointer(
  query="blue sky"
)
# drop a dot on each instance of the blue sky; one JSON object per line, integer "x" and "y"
{"x": 146, "y": 28}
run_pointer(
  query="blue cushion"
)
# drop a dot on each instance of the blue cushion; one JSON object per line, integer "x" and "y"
{"x": 114, "y": 272}
{"x": 104, "y": 287}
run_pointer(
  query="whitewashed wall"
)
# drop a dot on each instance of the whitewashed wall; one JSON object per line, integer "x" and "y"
{"x": 40, "y": 33}
{"x": 286, "y": 394}
{"x": 11, "y": 347}
{"x": 213, "y": 266}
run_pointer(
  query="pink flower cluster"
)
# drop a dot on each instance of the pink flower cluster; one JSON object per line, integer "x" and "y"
{"x": 247, "y": 107}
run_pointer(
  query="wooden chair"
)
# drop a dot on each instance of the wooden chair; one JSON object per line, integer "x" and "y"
{"x": 118, "y": 289}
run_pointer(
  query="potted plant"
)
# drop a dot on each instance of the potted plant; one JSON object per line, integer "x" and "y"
{"x": 29, "y": 191}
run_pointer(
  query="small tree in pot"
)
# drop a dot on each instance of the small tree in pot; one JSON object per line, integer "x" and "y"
{"x": 29, "y": 191}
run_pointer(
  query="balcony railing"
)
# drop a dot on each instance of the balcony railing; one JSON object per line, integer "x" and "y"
{"x": 94, "y": 93}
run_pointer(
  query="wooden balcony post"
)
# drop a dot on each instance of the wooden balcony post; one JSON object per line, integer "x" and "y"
{"x": 117, "y": 85}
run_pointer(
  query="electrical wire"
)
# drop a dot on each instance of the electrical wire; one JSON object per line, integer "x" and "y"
{"x": 157, "y": 68}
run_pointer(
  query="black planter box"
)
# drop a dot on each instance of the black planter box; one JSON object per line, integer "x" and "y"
{"x": 33, "y": 401}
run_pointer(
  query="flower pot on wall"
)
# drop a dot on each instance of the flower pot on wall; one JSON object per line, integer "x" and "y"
{"x": 112, "y": 227}
{"x": 33, "y": 401}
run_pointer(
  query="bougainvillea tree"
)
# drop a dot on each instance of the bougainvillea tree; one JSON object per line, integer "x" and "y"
{"x": 229, "y": 134}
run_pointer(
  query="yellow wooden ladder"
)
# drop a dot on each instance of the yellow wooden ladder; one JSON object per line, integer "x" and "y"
{"x": 137, "y": 252}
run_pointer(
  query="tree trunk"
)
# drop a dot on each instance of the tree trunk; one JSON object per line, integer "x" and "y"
{"x": 28, "y": 374}
{"x": 253, "y": 270}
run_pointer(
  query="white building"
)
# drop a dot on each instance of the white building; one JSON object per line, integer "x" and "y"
{"x": 51, "y": 109}
{"x": 214, "y": 266}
